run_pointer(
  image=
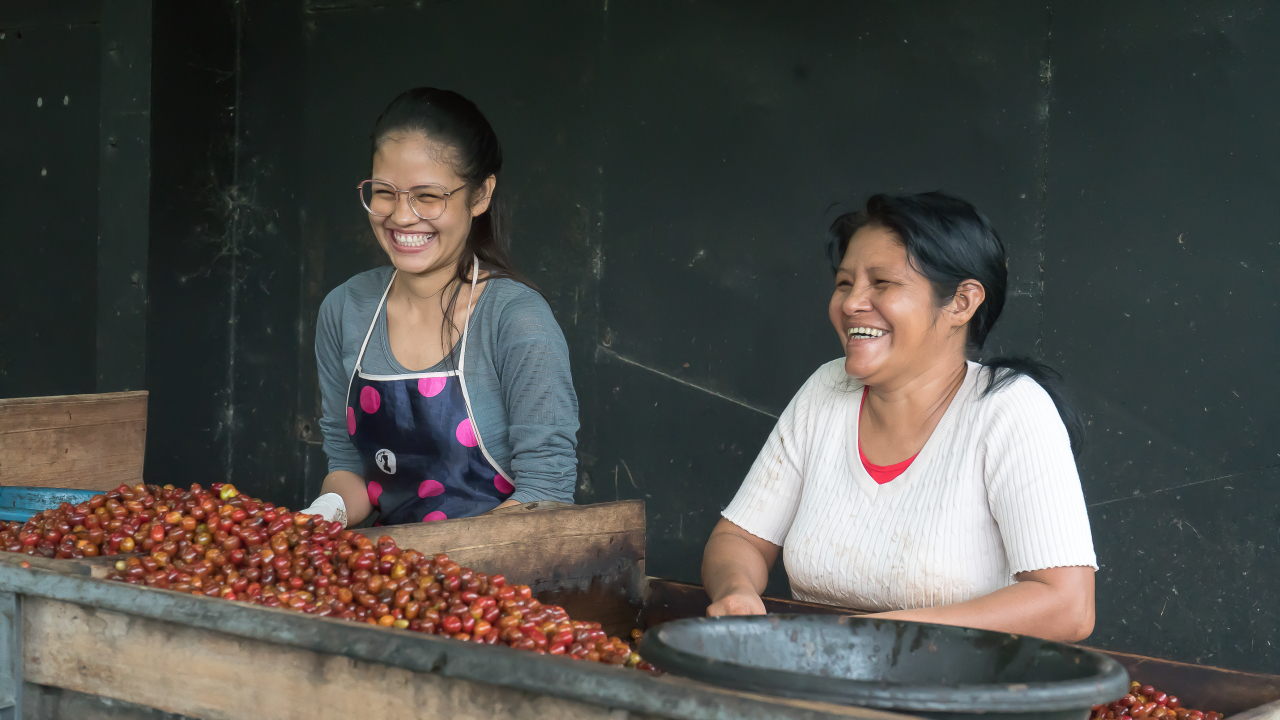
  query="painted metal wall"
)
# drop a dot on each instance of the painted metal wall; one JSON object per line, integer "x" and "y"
{"x": 673, "y": 167}
{"x": 48, "y": 198}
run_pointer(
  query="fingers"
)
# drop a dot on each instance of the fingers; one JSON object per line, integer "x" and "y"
{"x": 736, "y": 605}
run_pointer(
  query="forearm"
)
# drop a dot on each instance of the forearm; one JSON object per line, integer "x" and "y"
{"x": 354, "y": 492}
{"x": 731, "y": 565}
{"x": 1025, "y": 608}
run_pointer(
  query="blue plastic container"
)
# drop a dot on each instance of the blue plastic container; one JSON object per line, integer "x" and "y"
{"x": 18, "y": 504}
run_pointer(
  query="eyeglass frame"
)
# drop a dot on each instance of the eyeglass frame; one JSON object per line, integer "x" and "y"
{"x": 412, "y": 205}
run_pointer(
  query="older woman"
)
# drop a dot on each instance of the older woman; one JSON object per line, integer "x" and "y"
{"x": 905, "y": 478}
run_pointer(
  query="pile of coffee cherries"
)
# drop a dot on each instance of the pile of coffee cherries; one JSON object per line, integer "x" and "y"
{"x": 105, "y": 525}
{"x": 220, "y": 543}
{"x": 1144, "y": 701}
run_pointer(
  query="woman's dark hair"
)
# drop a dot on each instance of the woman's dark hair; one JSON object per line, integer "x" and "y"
{"x": 469, "y": 144}
{"x": 948, "y": 240}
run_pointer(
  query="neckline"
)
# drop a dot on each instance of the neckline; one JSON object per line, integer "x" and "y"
{"x": 390, "y": 356}
{"x": 853, "y": 447}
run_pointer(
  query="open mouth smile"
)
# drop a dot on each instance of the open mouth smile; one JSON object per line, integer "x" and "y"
{"x": 411, "y": 242}
{"x": 864, "y": 333}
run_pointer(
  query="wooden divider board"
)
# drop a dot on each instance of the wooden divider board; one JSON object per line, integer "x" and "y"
{"x": 587, "y": 558}
{"x": 84, "y": 442}
{"x": 210, "y": 676}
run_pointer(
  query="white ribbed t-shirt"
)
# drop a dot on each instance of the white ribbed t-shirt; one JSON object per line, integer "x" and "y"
{"x": 994, "y": 492}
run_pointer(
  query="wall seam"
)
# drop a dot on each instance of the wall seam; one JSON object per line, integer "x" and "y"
{"x": 234, "y": 234}
{"x": 1042, "y": 189}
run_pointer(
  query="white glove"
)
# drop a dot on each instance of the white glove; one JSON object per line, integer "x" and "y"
{"x": 330, "y": 507}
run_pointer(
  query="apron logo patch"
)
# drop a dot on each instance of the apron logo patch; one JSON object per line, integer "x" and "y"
{"x": 386, "y": 461}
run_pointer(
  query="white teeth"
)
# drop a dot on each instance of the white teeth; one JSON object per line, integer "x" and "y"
{"x": 415, "y": 240}
{"x": 864, "y": 332}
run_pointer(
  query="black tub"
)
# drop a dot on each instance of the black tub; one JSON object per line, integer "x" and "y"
{"x": 933, "y": 671}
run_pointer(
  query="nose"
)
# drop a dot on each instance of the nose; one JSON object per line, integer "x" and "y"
{"x": 404, "y": 214}
{"x": 858, "y": 299}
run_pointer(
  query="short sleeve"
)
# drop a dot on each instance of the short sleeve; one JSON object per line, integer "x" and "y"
{"x": 1032, "y": 485}
{"x": 766, "y": 503}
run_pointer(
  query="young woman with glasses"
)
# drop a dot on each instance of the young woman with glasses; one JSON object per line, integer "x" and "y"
{"x": 444, "y": 377}
{"x": 904, "y": 477}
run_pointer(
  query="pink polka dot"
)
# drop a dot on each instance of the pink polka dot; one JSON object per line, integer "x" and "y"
{"x": 375, "y": 491}
{"x": 467, "y": 433}
{"x": 429, "y": 488}
{"x": 503, "y": 486}
{"x": 431, "y": 386}
{"x": 434, "y": 516}
{"x": 351, "y": 420}
{"x": 370, "y": 400}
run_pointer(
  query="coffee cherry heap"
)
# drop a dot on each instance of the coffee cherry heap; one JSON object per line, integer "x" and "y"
{"x": 220, "y": 543}
{"x": 1144, "y": 701}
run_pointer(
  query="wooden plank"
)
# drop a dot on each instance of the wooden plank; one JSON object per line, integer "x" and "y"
{"x": 147, "y": 661}
{"x": 587, "y": 558}
{"x": 212, "y": 676}
{"x": 63, "y": 567}
{"x": 1202, "y": 687}
{"x": 85, "y": 442}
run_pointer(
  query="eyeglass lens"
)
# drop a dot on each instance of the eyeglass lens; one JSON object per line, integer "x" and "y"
{"x": 427, "y": 201}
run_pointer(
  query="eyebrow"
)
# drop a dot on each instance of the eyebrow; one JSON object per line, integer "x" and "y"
{"x": 411, "y": 187}
{"x": 884, "y": 271}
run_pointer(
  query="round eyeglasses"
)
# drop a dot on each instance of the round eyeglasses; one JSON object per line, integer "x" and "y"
{"x": 428, "y": 202}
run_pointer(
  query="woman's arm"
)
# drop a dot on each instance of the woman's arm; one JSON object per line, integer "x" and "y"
{"x": 355, "y": 494}
{"x": 736, "y": 562}
{"x": 735, "y": 570}
{"x": 344, "y": 477}
{"x": 532, "y": 364}
{"x": 1055, "y": 604}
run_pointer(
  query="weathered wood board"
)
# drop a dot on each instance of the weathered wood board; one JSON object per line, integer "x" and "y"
{"x": 211, "y": 676}
{"x": 1204, "y": 688}
{"x": 213, "y": 659}
{"x": 85, "y": 442}
{"x": 587, "y": 558}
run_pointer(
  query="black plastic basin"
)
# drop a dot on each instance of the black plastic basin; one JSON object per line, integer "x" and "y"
{"x": 933, "y": 671}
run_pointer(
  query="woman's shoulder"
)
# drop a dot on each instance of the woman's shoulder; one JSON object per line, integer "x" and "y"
{"x": 1021, "y": 399}
{"x": 519, "y": 307}
{"x": 360, "y": 290}
{"x": 512, "y": 294}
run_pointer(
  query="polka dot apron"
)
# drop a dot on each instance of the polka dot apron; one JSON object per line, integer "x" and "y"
{"x": 423, "y": 456}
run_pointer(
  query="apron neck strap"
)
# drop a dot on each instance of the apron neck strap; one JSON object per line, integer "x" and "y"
{"x": 466, "y": 324}
{"x": 369, "y": 334}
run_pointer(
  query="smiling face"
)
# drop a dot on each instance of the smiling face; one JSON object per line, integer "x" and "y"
{"x": 887, "y": 316}
{"x": 417, "y": 246}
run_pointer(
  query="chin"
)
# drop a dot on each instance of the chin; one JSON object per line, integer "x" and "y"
{"x": 860, "y": 368}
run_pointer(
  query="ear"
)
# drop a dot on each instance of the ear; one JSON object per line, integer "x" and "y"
{"x": 969, "y": 295}
{"x": 480, "y": 199}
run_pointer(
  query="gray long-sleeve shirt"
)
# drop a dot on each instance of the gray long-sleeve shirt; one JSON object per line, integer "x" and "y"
{"x": 517, "y": 375}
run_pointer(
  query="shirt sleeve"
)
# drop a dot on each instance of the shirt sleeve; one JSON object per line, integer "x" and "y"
{"x": 333, "y": 376}
{"x": 1032, "y": 485}
{"x": 532, "y": 362}
{"x": 766, "y": 503}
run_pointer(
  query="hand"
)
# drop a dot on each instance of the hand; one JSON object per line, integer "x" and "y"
{"x": 329, "y": 506}
{"x": 737, "y": 603}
